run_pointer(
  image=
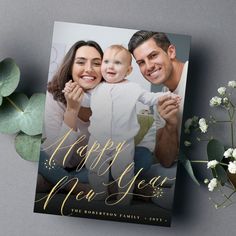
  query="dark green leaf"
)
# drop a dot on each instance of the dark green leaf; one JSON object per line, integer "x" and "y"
{"x": 220, "y": 174}
{"x": 187, "y": 165}
{"x": 215, "y": 150}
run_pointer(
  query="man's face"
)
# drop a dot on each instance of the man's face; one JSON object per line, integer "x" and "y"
{"x": 154, "y": 63}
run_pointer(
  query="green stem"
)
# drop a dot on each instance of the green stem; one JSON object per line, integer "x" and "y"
{"x": 231, "y": 203}
{"x": 214, "y": 170}
{"x": 231, "y": 187}
{"x": 232, "y": 104}
{"x": 14, "y": 105}
{"x": 232, "y": 126}
{"x": 232, "y": 133}
{"x": 199, "y": 161}
{"x": 223, "y": 121}
{"x": 223, "y": 164}
{"x": 204, "y": 140}
{"x": 227, "y": 198}
{"x": 223, "y": 194}
{"x": 234, "y": 187}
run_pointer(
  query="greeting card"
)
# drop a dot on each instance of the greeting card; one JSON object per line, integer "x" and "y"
{"x": 112, "y": 123}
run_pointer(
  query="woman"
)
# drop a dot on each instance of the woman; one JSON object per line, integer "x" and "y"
{"x": 63, "y": 111}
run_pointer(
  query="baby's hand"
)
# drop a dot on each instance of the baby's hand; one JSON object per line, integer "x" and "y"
{"x": 69, "y": 86}
{"x": 176, "y": 97}
{"x": 73, "y": 95}
{"x": 172, "y": 96}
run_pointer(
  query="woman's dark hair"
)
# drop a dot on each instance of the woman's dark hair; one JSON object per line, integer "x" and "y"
{"x": 64, "y": 73}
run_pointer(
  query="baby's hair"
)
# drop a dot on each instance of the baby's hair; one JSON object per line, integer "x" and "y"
{"x": 120, "y": 48}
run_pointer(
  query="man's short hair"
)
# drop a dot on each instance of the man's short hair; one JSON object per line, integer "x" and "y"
{"x": 141, "y": 36}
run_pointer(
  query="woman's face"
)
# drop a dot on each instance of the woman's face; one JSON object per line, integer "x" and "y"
{"x": 86, "y": 69}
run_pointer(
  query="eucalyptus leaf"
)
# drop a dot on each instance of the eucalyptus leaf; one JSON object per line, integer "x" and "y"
{"x": 9, "y": 115}
{"x": 9, "y": 77}
{"x": 18, "y": 113}
{"x": 215, "y": 150}
{"x": 187, "y": 165}
{"x": 28, "y": 147}
{"x": 32, "y": 122}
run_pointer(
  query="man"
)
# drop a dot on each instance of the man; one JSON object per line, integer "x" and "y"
{"x": 156, "y": 58}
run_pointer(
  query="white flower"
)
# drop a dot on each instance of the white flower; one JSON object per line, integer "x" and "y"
{"x": 232, "y": 167}
{"x": 202, "y": 125}
{"x": 221, "y": 90}
{"x": 212, "y": 164}
{"x": 225, "y": 100}
{"x": 187, "y": 143}
{"x": 212, "y": 184}
{"x": 215, "y": 101}
{"x": 206, "y": 181}
{"x": 228, "y": 152}
{"x": 232, "y": 83}
{"x": 234, "y": 153}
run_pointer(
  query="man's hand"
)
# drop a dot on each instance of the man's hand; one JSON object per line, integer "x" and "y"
{"x": 167, "y": 139}
{"x": 168, "y": 106}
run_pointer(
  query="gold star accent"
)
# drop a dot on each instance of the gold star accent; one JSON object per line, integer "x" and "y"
{"x": 157, "y": 192}
{"x": 50, "y": 166}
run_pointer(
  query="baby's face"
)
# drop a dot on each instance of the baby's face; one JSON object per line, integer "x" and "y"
{"x": 115, "y": 65}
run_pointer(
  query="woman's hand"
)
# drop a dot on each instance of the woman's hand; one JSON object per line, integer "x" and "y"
{"x": 73, "y": 95}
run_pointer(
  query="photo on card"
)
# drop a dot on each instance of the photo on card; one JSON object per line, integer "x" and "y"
{"x": 112, "y": 123}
